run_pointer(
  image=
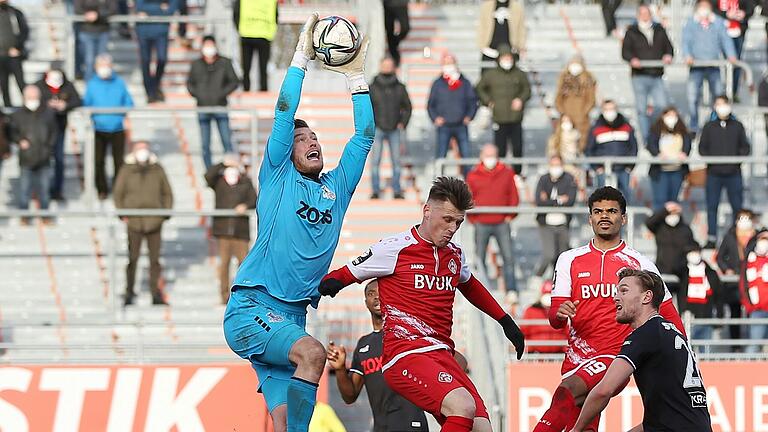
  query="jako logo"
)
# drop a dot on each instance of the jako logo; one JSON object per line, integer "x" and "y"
{"x": 429, "y": 282}
{"x": 599, "y": 290}
{"x": 417, "y": 266}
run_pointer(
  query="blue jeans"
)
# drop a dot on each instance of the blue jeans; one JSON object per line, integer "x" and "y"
{"x": 91, "y": 45}
{"x": 222, "y": 123}
{"x": 393, "y": 140}
{"x": 35, "y": 180}
{"x": 696, "y": 78}
{"x": 57, "y": 184}
{"x": 702, "y": 332}
{"x": 648, "y": 87}
{"x": 461, "y": 133}
{"x": 666, "y": 187}
{"x": 622, "y": 180}
{"x": 734, "y": 186}
{"x": 503, "y": 235}
{"x": 757, "y": 331}
{"x": 146, "y": 44}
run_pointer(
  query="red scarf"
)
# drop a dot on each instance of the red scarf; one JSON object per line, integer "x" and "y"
{"x": 452, "y": 84}
{"x": 54, "y": 90}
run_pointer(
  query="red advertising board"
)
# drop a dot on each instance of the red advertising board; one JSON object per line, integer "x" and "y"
{"x": 177, "y": 398}
{"x": 737, "y": 395}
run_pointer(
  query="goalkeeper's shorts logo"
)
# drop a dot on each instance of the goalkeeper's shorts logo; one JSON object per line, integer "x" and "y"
{"x": 445, "y": 377}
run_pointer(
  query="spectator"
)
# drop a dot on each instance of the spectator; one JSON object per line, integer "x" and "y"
{"x": 502, "y": 22}
{"x": 451, "y": 106}
{"x": 612, "y": 135}
{"x": 755, "y": 295}
{"x": 609, "y": 8}
{"x": 557, "y": 188}
{"x": 60, "y": 95}
{"x": 107, "y": 90}
{"x": 211, "y": 79}
{"x": 700, "y": 292}
{"x": 722, "y": 136}
{"x": 391, "y": 111}
{"x": 762, "y": 90}
{"x": 33, "y": 128}
{"x": 670, "y": 141}
{"x": 730, "y": 256}
{"x": 396, "y": 11}
{"x": 575, "y": 98}
{"x": 233, "y": 190}
{"x": 704, "y": 39}
{"x": 505, "y": 90}
{"x": 182, "y": 28}
{"x": 14, "y": 33}
{"x": 93, "y": 34}
{"x": 673, "y": 238}
{"x": 142, "y": 184}
{"x": 154, "y": 36}
{"x": 256, "y": 22}
{"x": 542, "y": 332}
{"x": 493, "y": 185}
{"x": 647, "y": 40}
{"x": 736, "y": 14}
{"x": 5, "y": 147}
{"x": 564, "y": 142}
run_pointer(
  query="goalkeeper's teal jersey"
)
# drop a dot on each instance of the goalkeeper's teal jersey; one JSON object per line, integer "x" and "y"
{"x": 299, "y": 218}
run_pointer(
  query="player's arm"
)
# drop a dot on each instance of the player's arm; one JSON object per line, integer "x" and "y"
{"x": 378, "y": 261}
{"x": 562, "y": 307}
{"x": 597, "y": 399}
{"x": 350, "y": 382}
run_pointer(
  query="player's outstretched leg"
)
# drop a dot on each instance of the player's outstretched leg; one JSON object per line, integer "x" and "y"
{"x": 459, "y": 411}
{"x": 309, "y": 357}
{"x": 563, "y": 410}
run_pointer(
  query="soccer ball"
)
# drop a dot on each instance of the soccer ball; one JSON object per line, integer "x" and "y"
{"x": 335, "y": 40}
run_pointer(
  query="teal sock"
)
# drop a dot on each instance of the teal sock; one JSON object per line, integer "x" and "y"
{"x": 301, "y": 404}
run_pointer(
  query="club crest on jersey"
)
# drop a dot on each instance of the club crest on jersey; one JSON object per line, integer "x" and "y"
{"x": 444, "y": 377}
{"x": 327, "y": 193}
{"x": 361, "y": 259}
{"x": 274, "y": 318}
{"x": 452, "y": 266}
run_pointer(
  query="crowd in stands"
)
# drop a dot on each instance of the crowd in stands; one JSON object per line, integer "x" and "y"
{"x": 715, "y": 31}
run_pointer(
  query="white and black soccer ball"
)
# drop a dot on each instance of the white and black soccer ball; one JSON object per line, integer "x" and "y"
{"x": 335, "y": 40}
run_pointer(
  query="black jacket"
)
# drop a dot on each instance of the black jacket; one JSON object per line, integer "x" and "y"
{"x": 211, "y": 83}
{"x": 762, "y": 90}
{"x": 724, "y": 138}
{"x": 653, "y": 149}
{"x": 105, "y": 9}
{"x": 728, "y": 257}
{"x": 40, "y": 129}
{"x": 67, "y": 92}
{"x": 565, "y": 184}
{"x": 748, "y": 6}
{"x": 19, "y": 30}
{"x": 391, "y": 103}
{"x": 671, "y": 242}
{"x": 5, "y": 145}
{"x": 714, "y": 301}
{"x": 229, "y": 197}
{"x": 636, "y": 46}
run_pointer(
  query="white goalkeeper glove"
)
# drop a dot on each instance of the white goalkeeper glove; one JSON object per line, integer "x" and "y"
{"x": 304, "y": 50}
{"x": 354, "y": 71}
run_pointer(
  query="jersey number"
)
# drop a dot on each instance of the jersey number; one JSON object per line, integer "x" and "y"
{"x": 690, "y": 380}
{"x": 595, "y": 368}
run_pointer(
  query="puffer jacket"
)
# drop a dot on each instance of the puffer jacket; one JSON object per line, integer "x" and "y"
{"x": 228, "y": 197}
{"x": 39, "y": 128}
{"x": 391, "y": 103}
{"x": 143, "y": 186}
{"x": 498, "y": 87}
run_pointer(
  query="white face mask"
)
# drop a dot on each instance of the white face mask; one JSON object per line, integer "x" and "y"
{"x": 670, "y": 121}
{"x": 575, "y": 69}
{"x": 761, "y": 247}
{"x": 141, "y": 155}
{"x": 744, "y": 224}
{"x": 693, "y": 257}
{"x": 506, "y": 64}
{"x": 490, "y": 163}
{"x": 555, "y": 172}
{"x": 702, "y": 13}
{"x": 209, "y": 51}
{"x": 32, "y": 104}
{"x": 723, "y": 111}
{"x": 566, "y": 126}
{"x": 672, "y": 220}
{"x": 104, "y": 72}
{"x": 231, "y": 175}
{"x": 546, "y": 300}
{"x": 610, "y": 116}
{"x": 54, "y": 79}
{"x": 449, "y": 69}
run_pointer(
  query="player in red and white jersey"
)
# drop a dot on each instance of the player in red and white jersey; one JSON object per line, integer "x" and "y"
{"x": 419, "y": 271}
{"x": 585, "y": 284}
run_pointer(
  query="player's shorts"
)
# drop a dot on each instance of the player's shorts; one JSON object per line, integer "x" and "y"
{"x": 591, "y": 371}
{"x": 262, "y": 329}
{"x": 426, "y": 378}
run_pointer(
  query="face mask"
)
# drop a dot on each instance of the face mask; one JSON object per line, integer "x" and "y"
{"x": 670, "y": 121}
{"x": 449, "y": 69}
{"x": 555, "y": 171}
{"x": 693, "y": 257}
{"x": 104, "y": 72}
{"x": 566, "y": 126}
{"x": 610, "y": 116}
{"x": 546, "y": 300}
{"x": 209, "y": 51}
{"x": 575, "y": 69}
{"x": 54, "y": 79}
{"x": 744, "y": 224}
{"x": 723, "y": 111}
{"x": 672, "y": 220}
{"x": 702, "y": 13}
{"x": 231, "y": 175}
{"x": 141, "y": 155}
{"x": 506, "y": 64}
{"x": 32, "y": 104}
{"x": 761, "y": 247}
{"x": 490, "y": 163}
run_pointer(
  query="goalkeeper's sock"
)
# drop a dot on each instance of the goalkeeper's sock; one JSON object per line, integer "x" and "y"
{"x": 457, "y": 424}
{"x": 563, "y": 411}
{"x": 301, "y": 404}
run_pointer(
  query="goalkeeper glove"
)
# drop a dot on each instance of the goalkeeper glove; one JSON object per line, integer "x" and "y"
{"x": 304, "y": 50}
{"x": 330, "y": 287}
{"x": 354, "y": 71}
{"x": 513, "y": 333}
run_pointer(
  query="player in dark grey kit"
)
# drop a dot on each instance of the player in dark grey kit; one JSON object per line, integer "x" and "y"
{"x": 391, "y": 412}
{"x": 658, "y": 355}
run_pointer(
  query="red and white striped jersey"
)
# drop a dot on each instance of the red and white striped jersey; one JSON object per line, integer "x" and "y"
{"x": 417, "y": 286}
